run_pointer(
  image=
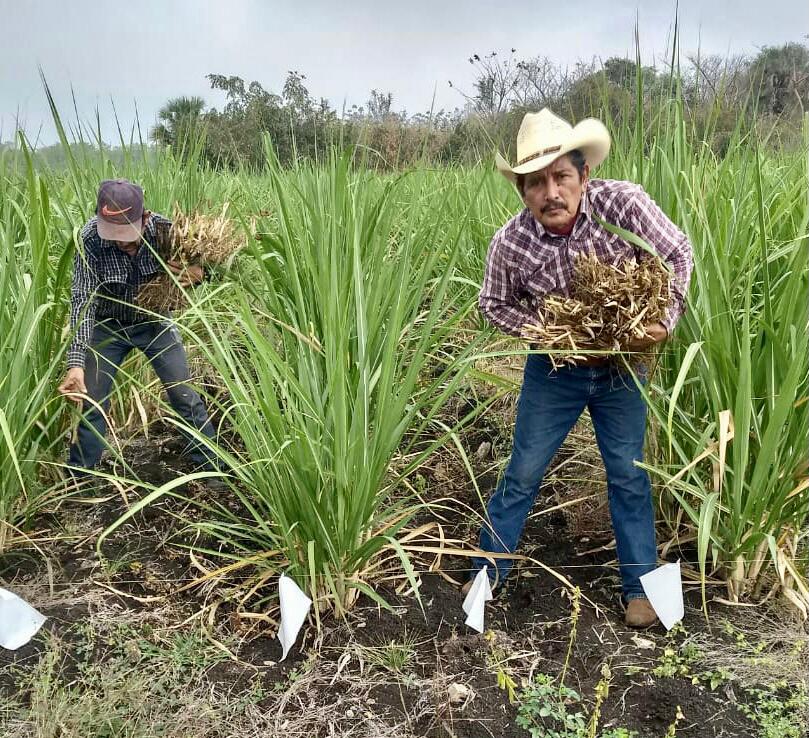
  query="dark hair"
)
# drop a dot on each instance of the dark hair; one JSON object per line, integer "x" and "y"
{"x": 576, "y": 159}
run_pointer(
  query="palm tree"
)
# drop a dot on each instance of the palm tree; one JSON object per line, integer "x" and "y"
{"x": 780, "y": 74}
{"x": 178, "y": 119}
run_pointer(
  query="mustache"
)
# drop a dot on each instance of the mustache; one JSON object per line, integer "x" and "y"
{"x": 554, "y": 206}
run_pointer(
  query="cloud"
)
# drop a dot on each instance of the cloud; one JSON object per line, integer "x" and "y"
{"x": 152, "y": 50}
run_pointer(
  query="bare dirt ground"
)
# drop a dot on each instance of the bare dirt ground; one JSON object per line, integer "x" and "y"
{"x": 127, "y": 652}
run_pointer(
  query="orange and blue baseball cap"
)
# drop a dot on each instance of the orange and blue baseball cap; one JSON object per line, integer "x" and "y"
{"x": 120, "y": 211}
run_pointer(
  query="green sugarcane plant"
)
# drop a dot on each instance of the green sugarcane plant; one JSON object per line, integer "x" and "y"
{"x": 335, "y": 358}
{"x": 730, "y": 401}
{"x": 34, "y": 280}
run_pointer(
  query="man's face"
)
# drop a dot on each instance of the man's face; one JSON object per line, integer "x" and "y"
{"x": 553, "y": 194}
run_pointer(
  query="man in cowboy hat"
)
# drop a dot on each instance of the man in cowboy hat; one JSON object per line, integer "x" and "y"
{"x": 532, "y": 256}
{"x": 115, "y": 257}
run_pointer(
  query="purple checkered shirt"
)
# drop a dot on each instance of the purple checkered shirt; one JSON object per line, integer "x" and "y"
{"x": 526, "y": 262}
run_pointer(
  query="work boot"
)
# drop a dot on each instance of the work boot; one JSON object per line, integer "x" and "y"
{"x": 639, "y": 613}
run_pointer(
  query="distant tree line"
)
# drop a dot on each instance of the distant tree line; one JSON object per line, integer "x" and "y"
{"x": 771, "y": 88}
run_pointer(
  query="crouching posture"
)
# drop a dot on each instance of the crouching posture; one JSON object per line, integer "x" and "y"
{"x": 115, "y": 257}
{"x": 532, "y": 256}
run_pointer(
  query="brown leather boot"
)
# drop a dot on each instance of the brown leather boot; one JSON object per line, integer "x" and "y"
{"x": 639, "y": 613}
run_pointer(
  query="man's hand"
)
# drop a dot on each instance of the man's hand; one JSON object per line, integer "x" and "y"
{"x": 186, "y": 274}
{"x": 655, "y": 333}
{"x": 73, "y": 385}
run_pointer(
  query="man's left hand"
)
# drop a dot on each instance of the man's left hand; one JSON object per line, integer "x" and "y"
{"x": 655, "y": 333}
{"x": 186, "y": 274}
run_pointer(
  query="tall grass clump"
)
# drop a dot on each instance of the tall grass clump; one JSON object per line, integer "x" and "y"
{"x": 34, "y": 282}
{"x": 732, "y": 415}
{"x": 728, "y": 401}
{"x": 335, "y": 358}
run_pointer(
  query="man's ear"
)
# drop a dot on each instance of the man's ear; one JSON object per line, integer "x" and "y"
{"x": 585, "y": 176}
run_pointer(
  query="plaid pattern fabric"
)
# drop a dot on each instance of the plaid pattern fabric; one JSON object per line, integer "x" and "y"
{"x": 106, "y": 282}
{"x": 525, "y": 262}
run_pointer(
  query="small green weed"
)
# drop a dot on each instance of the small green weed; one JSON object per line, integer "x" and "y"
{"x": 496, "y": 660}
{"x": 545, "y": 710}
{"x": 393, "y": 656}
{"x": 548, "y": 710}
{"x": 675, "y": 662}
{"x": 683, "y": 662}
{"x": 778, "y": 717}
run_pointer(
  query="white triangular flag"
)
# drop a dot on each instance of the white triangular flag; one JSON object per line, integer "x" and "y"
{"x": 19, "y": 622}
{"x": 294, "y": 609}
{"x": 664, "y": 588}
{"x": 479, "y": 594}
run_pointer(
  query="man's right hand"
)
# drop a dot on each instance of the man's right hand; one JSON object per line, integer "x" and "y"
{"x": 73, "y": 385}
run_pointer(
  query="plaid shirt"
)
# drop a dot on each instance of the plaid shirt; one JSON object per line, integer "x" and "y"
{"x": 525, "y": 262}
{"x": 106, "y": 282}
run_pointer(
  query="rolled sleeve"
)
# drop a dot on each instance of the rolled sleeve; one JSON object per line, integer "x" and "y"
{"x": 672, "y": 245}
{"x": 498, "y": 300}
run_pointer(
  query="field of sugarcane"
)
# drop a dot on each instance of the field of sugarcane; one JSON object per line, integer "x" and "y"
{"x": 363, "y": 412}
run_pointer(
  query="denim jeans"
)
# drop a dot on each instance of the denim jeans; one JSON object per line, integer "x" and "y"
{"x": 110, "y": 345}
{"x": 550, "y": 403}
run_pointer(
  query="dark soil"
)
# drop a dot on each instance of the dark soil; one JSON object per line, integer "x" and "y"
{"x": 529, "y": 623}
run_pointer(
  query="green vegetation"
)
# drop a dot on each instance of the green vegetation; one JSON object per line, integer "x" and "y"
{"x": 545, "y": 710}
{"x": 343, "y": 352}
{"x": 350, "y": 322}
{"x": 728, "y": 395}
{"x": 548, "y": 709}
{"x": 34, "y": 280}
{"x": 779, "y": 716}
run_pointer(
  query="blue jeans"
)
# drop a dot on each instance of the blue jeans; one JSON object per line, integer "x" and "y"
{"x": 550, "y": 403}
{"x": 110, "y": 345}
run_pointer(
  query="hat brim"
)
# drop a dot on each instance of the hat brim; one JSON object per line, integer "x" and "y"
{"x": 590, "y": 136}
{"x": 126, "y": 232}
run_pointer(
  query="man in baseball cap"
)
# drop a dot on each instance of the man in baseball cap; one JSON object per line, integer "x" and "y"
{"x": 115, "y": 257}
{"x": 120, "y": 211}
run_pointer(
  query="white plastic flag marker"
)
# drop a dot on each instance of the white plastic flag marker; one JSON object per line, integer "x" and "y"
{"x": 19, "y": 622}
{"x": 479, "y": 594}
{"x": 664, "y": 588}
{"x": 294, "y": 609}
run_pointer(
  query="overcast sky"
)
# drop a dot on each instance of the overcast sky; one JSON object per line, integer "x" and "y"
{"x": 147, "y": 52}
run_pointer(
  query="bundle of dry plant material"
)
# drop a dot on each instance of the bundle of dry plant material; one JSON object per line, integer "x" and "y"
{"x": 191, "y": 240}
{"x": 608, "y": 306}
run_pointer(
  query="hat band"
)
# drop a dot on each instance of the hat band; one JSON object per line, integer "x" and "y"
{"x": 537, "y": 154}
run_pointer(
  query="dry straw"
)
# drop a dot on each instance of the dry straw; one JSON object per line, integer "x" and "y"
{"x": 608, "y": 306}
{"x": 191, "y": 240}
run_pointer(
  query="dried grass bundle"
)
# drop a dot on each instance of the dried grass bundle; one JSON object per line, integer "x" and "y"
{"x": 196, "y": 239}
{"x": 608, "y": 306}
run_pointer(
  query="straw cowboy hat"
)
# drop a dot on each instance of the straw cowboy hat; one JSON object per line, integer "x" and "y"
{"x": 544, "y": 137}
